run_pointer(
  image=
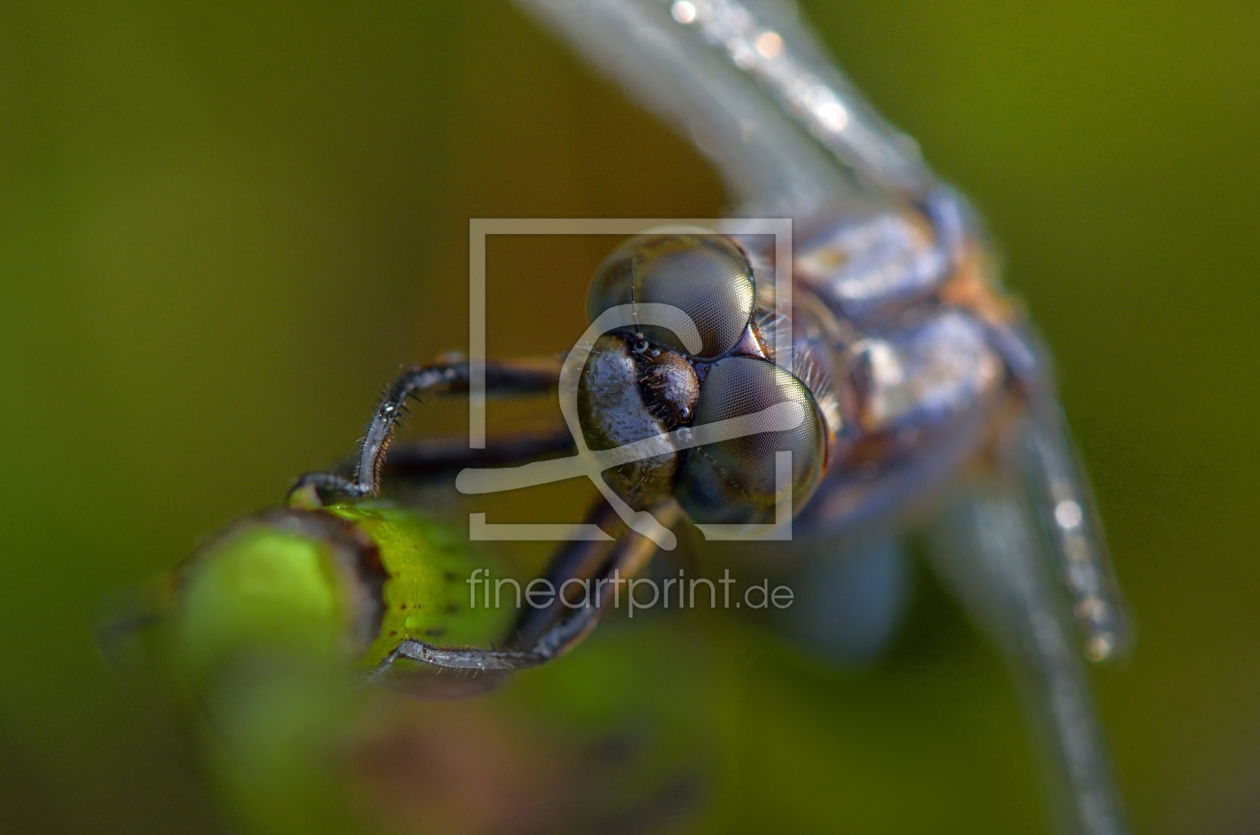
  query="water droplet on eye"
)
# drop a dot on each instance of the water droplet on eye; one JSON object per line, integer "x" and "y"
{"x": 1068, "y": 514}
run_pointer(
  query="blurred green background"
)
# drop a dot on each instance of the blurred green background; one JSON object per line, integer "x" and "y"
{"x": 223, "y": 227}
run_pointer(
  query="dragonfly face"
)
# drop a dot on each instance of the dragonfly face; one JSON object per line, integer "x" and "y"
{"x": 643, "y": 383}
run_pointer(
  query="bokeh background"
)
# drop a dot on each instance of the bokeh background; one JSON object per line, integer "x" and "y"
{"x": 224, "y": 225}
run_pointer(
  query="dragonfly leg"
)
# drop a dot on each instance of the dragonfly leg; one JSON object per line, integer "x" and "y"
{"x": 546, "y": 633}
{"x": 435, "y": 458}
{"x": 576, "y": 560}
{"x": 558, "y": 633}
{"x": 503, "y": 378}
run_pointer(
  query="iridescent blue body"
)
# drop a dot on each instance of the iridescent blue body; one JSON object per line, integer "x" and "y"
{"x": 907, "y": 351}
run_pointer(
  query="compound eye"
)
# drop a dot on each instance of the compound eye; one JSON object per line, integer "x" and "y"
{"x": 708, "y": 277}
{"x": 733, "y": 481}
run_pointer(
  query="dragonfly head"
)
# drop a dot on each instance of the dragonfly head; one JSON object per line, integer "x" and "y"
{"x": 642, "y": 382}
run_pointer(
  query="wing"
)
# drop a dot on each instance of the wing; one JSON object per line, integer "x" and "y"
{"x": 991, "y": 548}
{"x": 747, "y": 84}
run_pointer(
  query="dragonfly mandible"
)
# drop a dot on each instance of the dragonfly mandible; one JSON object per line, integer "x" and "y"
{"x": 912, "y": 373}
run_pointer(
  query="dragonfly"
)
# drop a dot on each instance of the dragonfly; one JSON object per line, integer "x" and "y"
{"x": 902, "y": 374}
